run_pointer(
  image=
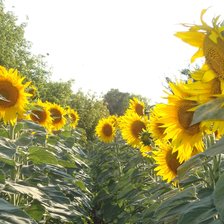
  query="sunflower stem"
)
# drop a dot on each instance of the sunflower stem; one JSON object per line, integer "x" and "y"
{"x": 12, "y": 131}
{"x": 117, "y": 157}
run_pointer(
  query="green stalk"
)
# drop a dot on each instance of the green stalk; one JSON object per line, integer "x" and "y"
{"x": 117, "y": 157}
{"x": 12, "y": 131}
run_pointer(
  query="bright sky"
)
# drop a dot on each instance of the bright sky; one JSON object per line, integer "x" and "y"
{"x": 104, "y": 44}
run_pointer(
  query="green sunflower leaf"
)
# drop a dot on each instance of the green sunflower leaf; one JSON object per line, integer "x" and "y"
{"x": 10, "y": 214}
{"x": 219, "y": 196}
{"x": 213, "y": 110}
{"x": 40, "y": 155}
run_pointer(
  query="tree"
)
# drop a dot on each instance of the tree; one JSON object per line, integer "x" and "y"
{"x": 90, "y": 110}
{"x": 15, "y": 50}
{"x": 57, "y": 92}
{"x": 116, "y": 101}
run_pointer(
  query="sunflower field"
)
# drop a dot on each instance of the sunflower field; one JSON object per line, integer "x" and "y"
{"x": 156, "y": 165}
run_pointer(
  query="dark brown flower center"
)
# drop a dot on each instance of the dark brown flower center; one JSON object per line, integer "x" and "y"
{"x": 38, "y": 116}
{"x": 73, "y": 117}
{"x": 172, "y": 161}
{"x": 8, "y": 94}
{"x": 185, "y": 118}
{"x": 56, "y": 116}
{"x": 214, "y": 54}
{"x": 137, "y": 127}
{"x": 139, "y": 109}
{"x": 216, "y": 86}
{"x": 107, "y": 130}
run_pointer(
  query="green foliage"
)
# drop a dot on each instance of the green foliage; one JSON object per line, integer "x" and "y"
{"x": 212, "y": 110}
{"x": 117, "y": 102}
{"x": 15, "y": 50}
{"x": 57, "y": 92}
{"x": 90, "y": 110}
{"x": 43, "y": 176}
{"x": 125, "y": 187}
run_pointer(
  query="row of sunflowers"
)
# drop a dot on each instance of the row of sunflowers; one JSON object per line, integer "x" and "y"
{"x": 42, "y": 170}
{"x": 169, "y": 132}
{"x": 17, "y": 103}
{"x": 161, "y": 166}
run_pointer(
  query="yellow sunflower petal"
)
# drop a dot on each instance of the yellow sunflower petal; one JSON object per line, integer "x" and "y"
{"x": 193, "y": 38}
{"x": 198, "y": 54}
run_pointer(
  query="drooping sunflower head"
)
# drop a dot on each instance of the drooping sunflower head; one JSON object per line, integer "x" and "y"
{"x": 131, "y": 126}
{"x": 73, "y": 117}
{"x": 13, "y": 95}
{"x": 40, "y": 114}
{"x": 58, "y": 116}
{"x": 167, "y": 162}
{"x": 210, "y": 43}
{"x": 214, "y": 52}
{"x": 105, "y": 130}
{"x": 136, "y": 106}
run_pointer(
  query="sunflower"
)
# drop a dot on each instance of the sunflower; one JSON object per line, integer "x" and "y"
{"x": 105, "y": 129}
{"x": 203, "y": 90}
{"x": 13, "y": 97}
{"x": 177, "y": 116}
{"x": 155, "y": 126}
{"x": 136, "y": 106}
{"x": 166, "y": 162}
{"x": 32, "y": 90}
{"x": 40, "y": 114}
{"x": 73, "y": 117}
{"x": 131, "y": 126}
{"x": 58, "y": 116}
{"x": 210, "y": 43}
{"x": 208, "y": 39}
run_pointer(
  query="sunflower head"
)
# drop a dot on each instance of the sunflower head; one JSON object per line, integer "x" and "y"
{"x": 131, "y": 126}
{"x": 176, "y": 117}
{"x": 155, "y": 125}
{"x": 167, "y": 162}
{"x": 105, "y": 130}
{"x": 13, "y": 95}
{"x": 32, "y": 90}
{"x": 73, "y": 117}
{"x": 214, "y": 55}
{"x": 58, "y": 116}
{"x": 210, "y": 43}
{"x": 40, "y": 114}
{"x": 136, "y": 106}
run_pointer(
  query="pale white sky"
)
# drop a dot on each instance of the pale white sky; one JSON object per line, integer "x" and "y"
{"x": 104, "y": 44}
